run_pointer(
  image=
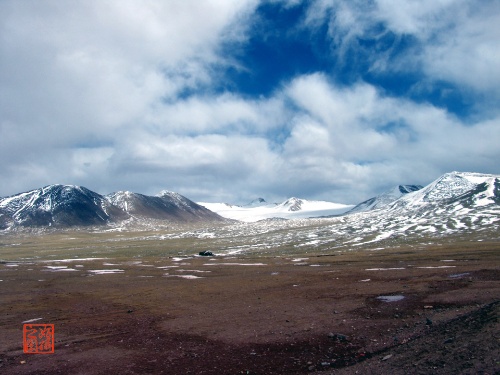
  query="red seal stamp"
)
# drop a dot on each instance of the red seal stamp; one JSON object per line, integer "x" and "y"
{"x": 38, "y": 338}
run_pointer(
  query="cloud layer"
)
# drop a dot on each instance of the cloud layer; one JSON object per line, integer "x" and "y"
{"x": 143, "y": 96}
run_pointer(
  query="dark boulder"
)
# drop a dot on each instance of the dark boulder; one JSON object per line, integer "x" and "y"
{"x": 206, "y": 253}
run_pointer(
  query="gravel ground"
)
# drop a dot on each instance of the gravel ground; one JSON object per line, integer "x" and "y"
{"x": 430, "y": 310}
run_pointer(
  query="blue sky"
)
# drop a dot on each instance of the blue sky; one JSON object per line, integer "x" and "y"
{"x": 233, "y": 100}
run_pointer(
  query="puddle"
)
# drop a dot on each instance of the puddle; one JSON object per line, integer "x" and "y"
{"x": 191, "y": 271}
{"x": 235, "y": 264}
{"x": 459, "y": 275}
{"x": 383, "y": 269}
{"x": 186, "y": 276}
{"x": 391, "y": 298}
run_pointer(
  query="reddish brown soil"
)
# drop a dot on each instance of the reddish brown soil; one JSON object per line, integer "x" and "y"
{"x": 320, "y": 314}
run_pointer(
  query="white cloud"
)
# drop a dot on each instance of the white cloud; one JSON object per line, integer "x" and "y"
{"x": 469, "y": 53}
{"x": 93, "y": 65}
{"x": 420, "y": 18}
{"x": 92, "y": 93}
{"x": 457, "y": 39}
{"x": 225, "y": 112}
{"x": 359, "y": 136}
{"x": 90, "y": 71}
{"x": 226, "y": 166}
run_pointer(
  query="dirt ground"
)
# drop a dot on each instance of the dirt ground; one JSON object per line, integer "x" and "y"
{"x": 427, "y": 310}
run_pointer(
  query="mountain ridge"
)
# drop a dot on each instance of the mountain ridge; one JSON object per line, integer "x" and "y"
{"x": 451, "y": 196}
{"x": 71, "y": 205}
{"x": 385, "y": 199}
{"x": 166, "y": 205}
{"x": 449, "y": 185}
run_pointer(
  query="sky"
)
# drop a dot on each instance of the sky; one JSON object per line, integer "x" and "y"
{"x": 227, "y": 101}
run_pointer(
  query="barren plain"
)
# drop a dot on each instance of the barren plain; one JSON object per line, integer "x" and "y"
{"x": 147, "y": 303}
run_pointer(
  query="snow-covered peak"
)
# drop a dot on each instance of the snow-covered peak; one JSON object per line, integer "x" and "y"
{"x": 59, "y": 205}
{"x": 293, "y": 208}
{"x": 45, "y": 197}
{"x": 448, "y": 186}
{"x": 122, "y": 199}
{"x": 176, "y": 199}
{"x": 167, "y": 193}
{"x": 258, "y": 202}
{"x": 120, "y": 195}
{"x": 385, "y": 199}
{"x": 292, "y": 204}
{"x": 166, "y": 206}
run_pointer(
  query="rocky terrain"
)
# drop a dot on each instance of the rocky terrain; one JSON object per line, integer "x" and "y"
{"x": 130, "y": 306}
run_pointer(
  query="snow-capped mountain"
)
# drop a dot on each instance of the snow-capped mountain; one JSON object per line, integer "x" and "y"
{"x": 165, "y": 206}
{"x": 454, "y": 203}
{"x": 292, "y": 208}
{"x": 58, "y": 205}
{"x": 69, "y": 205}
{"x": 457, "y": 202}
{"x": 470, "y": 189}
{"x": 258, "y": 202}
{"x": 465, "y": 206}
{"x": 385, "y": 199}
{"x": 292, "y": 204}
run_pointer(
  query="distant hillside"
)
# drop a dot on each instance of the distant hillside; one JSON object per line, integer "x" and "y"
{"x": 385, "y": 199}
{"x": 69, "y": 205}
{"x": 166, "y": 206}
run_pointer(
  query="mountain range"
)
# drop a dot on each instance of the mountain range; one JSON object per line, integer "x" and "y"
{"x": 69, "y": 205}
{"x": 454, "y": 199}
{"x": 455, "y": 203}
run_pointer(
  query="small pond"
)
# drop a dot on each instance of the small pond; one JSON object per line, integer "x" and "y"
{"x": 391, "y": 298}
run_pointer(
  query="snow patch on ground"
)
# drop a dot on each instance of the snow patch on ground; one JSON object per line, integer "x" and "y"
{"x": 190, "y": 277}
{"x": 71, "y": 260}
{"x": 106, "y": 272}
{"x": 385, "y": 269}
{"x": 60, "y": 268}
{"x": 32, "y": 320}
